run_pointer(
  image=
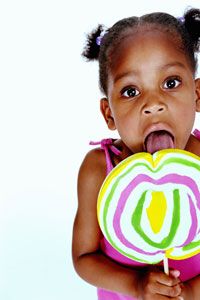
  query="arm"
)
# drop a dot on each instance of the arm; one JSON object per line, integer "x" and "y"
{"x": 90, "y": 263}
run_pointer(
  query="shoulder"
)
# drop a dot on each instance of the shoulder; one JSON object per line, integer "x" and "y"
{"x": 193, "y": 145}
{"x": 92, "y": 171}
{"x": 94, "y": 163}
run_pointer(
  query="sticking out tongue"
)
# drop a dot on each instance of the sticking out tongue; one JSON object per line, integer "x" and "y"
{"x": 159, "y": 140}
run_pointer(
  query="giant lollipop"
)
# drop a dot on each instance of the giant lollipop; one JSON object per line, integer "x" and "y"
{"x": 149, "y": 206}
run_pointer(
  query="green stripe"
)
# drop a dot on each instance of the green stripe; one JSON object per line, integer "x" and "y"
{"x": 180, "y": 161}
{"x": 136, "y": 222}
{"x": 191, "y": 246}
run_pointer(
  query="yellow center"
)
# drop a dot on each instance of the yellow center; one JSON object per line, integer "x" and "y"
{"x": 157, "y": 210}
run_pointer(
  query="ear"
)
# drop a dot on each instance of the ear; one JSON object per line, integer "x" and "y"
{"x": 197, "y": 83}
{"x": 107, "y": 113}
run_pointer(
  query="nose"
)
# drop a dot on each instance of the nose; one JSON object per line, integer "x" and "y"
{"x": 154, "y": 108}
{"x": 154, "y": 103}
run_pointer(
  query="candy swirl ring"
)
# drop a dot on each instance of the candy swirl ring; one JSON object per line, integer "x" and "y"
{"x": 149, "y": 206}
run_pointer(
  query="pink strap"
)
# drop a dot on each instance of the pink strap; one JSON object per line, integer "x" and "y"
{"x": 106, "y": 145}
{"x": 196, "y": 133}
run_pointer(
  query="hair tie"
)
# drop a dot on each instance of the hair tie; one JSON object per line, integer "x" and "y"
{"x": 98, "y": 40}
{"x": 181, "y": 19}
{"x": 100, "y": 37}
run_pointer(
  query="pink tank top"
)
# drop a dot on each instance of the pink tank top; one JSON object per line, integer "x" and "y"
{"x": 188, "y": 268}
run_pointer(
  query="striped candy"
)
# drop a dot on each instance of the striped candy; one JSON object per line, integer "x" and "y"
{"x": 149, "y": 206}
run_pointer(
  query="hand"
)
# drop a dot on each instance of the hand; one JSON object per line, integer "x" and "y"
{"x": 156, "y": 285}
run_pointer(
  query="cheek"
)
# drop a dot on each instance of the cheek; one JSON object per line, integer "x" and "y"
{"x": 186, "y": 109}
{"x": 186, "y": 119}
{"x": 186, "y": 116}
{"x": 185, "y": 123}
{"x": 128, "y": 119}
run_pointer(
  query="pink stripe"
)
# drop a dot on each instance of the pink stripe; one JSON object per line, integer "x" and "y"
{"x": 172, "y": 178}
{"x": 192, "y": 232}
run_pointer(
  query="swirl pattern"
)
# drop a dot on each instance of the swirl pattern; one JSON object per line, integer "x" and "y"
{"x": 149, "y": 206}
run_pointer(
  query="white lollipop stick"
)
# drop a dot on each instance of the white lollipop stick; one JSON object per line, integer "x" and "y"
{"x": 166, "y": 265}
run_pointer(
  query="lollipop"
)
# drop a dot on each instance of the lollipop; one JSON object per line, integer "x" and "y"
{"x": 149, "y": 206}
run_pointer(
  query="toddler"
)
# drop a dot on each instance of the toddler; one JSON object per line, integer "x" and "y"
{"x": 147, "y": 68}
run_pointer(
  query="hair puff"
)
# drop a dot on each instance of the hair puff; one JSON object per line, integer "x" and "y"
{"x": 192, "y": 24}
{"x": 91, "y": 49}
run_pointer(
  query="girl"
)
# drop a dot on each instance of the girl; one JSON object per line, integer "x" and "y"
{"x": 147, "y": 71}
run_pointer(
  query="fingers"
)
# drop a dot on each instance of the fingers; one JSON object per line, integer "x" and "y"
{"x": 159, "y": 285}
{"x": 164, "y": 279}
{"x": 169, "y": 291}
{"x": 159, "y": 297}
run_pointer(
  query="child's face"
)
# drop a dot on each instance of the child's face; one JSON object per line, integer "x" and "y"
{"x": 152, "y": 95}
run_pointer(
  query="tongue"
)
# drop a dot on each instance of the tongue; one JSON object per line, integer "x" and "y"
{"x": 158, "y": 140}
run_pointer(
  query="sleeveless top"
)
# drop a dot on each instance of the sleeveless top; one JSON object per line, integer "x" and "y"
{"x": 189, "y": 268}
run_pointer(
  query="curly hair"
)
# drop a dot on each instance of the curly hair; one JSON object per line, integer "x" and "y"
{"x": 185, "y": 30}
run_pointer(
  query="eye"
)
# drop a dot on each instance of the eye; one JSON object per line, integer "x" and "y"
{"x": 172, "y": 83}
{"x": 130, "y": 92}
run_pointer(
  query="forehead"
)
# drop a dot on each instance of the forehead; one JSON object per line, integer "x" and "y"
{"x": 147, "y": 46}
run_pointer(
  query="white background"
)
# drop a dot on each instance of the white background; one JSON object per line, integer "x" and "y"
{"x": 49, "y": 110}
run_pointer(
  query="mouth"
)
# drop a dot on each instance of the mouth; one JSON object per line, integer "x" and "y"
{"x": 158, "y": 140}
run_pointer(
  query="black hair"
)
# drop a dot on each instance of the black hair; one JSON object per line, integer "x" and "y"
{"x": 186, "y": 29}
